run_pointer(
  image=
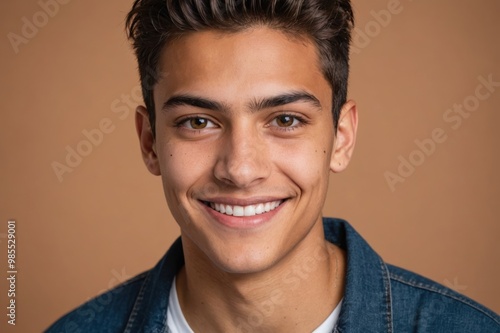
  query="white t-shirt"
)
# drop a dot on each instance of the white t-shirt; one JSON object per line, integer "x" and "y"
{"x": 177, "y": 323}
{"x": 175, "y": 318}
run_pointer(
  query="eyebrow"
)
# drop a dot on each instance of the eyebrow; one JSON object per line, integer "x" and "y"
{"x": 255, "y": 105}
{"x": 284, "y": 99}
{"x": 199, "y": 102}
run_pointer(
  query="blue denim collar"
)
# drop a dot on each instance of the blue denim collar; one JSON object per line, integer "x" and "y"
{"x": 149, "y": 313}
{"x": 367, "y": 299}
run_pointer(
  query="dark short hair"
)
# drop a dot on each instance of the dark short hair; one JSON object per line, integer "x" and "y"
{"x": 151, "y": 24}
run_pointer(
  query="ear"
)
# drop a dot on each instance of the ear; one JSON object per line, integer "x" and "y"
{"x": 345, "y": 139}
{"x": 147, "y": 140}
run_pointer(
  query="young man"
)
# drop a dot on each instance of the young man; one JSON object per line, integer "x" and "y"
{"x": 245, "y": 117}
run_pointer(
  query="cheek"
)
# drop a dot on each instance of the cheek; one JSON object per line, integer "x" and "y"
{"x": 182, "y": 166}
{"x": 305, "y": 162}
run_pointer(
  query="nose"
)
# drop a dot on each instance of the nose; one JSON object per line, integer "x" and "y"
{"x": 243, "y": 159}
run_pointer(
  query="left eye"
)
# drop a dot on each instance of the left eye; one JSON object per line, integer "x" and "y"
{"x": 198, "y": 123}
{"x": 285, "y": 121}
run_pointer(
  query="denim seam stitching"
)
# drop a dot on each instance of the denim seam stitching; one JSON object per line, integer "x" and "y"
{"x": 137, "y": 304}
{"x": 387, "y": 294}
{"x": 431, "y": 288}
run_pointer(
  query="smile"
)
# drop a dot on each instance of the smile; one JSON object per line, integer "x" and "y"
{"x": 244, "y": 211}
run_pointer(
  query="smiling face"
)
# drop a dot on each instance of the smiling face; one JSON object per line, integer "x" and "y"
{"x": 244, "y": 145}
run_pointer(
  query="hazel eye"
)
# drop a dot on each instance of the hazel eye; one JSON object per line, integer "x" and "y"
{"x": 197, "y": 123}
{"x": 286, "y": 121}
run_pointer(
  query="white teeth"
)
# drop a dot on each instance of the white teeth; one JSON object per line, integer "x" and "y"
{"x": 250, "y": 210}
{"x": 238, "y": 211}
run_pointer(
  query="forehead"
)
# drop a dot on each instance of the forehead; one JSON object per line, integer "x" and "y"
{"x": 245, "y": 64}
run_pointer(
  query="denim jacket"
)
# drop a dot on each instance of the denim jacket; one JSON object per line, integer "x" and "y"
{"x": 378, "y": 298}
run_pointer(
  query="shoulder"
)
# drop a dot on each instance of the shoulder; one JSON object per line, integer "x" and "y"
{"x": 108, "y": 312}
{"x": 423, "y": 303}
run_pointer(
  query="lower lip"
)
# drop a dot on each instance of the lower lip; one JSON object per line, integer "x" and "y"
{"x": 242, "y": 222}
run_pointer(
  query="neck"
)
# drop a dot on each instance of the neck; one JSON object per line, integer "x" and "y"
{"x": 278, "y": 299}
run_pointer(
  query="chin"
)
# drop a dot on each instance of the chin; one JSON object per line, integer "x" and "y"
{"x": 247, "y": 261}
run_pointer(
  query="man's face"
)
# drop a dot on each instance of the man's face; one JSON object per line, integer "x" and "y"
{"x": 244, "y": 142}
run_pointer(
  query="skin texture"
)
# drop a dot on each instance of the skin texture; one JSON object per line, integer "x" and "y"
{"x": 243, "y": 273}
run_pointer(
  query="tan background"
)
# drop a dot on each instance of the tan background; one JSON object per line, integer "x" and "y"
{"x": 107, "y": 220}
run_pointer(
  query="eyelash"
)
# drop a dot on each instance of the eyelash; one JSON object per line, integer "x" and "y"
{"x": 302, "y": 121}
{"x": 179, "y": 123}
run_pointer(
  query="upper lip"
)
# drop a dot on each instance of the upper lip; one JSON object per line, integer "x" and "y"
{"x": 243, "y": 202}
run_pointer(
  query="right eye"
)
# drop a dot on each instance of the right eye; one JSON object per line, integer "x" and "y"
{"x": 196, "y": 123}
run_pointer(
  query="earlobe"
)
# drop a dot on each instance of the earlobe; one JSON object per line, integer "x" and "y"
{"x": 146, "y": 140}
{"x": 345, "y": 139}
